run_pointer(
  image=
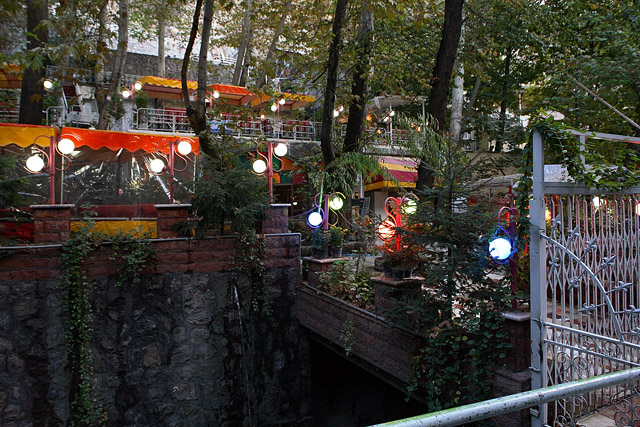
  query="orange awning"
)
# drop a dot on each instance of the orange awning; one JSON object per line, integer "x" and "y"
{"x": 10, "y": 76}
{"x": 129, "y": 141}
{"x": 233, "y": 95}
{"x": 25, "y": 135}
{"x": 403, "y": 170}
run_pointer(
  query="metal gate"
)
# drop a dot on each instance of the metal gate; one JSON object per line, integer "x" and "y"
{"x": 585, "y": 291}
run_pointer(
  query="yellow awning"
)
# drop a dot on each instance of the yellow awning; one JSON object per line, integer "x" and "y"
{"x": 292, "y": 100}
{"x": 164, "y": 82}
{"x": 25, "y": 135}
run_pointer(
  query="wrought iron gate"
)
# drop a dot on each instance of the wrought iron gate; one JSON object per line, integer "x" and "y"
{"x": 585, "y": 292}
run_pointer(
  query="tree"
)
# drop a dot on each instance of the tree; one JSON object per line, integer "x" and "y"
{"x": 441, "y": 78}
{"x": 34, "y": 74}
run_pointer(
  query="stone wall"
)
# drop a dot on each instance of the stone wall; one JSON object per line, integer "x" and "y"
{"x": 183, "y": 348}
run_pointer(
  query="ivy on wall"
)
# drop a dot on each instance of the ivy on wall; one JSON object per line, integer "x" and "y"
{"x": 131, "y": 254}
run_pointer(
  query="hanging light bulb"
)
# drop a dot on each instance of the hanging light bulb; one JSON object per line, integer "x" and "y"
{"x": 282, "y": 101}
{"x": 314, "y": 219}
{"x": 137, "y": 85}
{"x": 280, "y": 149}
{"x": 216, "y": 94}
{"x": 500, "y": 249}
{"x": 184, "y": 147}
{"x": 126, "y": 93}
{"x": 409, "y": 207}
{"x": 336, "y": 203}
{"x": 48, "y": 84}
{"x": 156, "y": 165}
{"x": 66, "y": 146}
{"x": 35, "y": 163}
{"x": 392, "y": 113}
{"x": 387, "y": 229}
{"x": 274, "y": 107}
{"x": 259, "y": 166}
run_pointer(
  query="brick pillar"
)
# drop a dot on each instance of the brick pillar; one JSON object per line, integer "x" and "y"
{"x": 51, "y": 223}
{"x": 169, "y": 215}
{"x": 277, "y": 220}
{"x": 386, "y": 290}
{"x": 517, "y": 325}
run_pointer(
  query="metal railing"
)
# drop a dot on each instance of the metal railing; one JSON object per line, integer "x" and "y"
{"x": 515, "y": 402}
{"x": 9, "y": 115}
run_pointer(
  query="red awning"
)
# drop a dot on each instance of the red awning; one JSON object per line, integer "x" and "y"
{"x": 403, "y": 170}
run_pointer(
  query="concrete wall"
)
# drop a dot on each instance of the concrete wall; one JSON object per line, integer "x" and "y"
{"x": 182, "y": 348}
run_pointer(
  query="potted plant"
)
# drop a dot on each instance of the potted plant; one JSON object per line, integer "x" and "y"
{"x": 319, "y": 241}
{"x": 336, "y": 238}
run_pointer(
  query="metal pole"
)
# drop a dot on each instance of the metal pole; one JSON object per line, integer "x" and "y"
{"x": 52, "y": 169}
{"x": 171, "y": 169}
{"x": 325, "y": 220}
{"x": 270, "y": 169}
{"x": 538, "y": 284}
{"x": 515, "y": 402}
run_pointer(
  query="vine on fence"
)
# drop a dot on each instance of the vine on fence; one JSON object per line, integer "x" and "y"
{"x": 131, "y": 254}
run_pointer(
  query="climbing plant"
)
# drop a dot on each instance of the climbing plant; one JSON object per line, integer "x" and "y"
{"x": 131, "y": 254}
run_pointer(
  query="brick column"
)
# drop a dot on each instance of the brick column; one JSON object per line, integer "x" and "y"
{"x": 317, "y": 266}
{"x": 168, "y": 215}
{"x": 277, "y": 220}
{"x": 386, "y": 290}
{"x": 51, "y": 223}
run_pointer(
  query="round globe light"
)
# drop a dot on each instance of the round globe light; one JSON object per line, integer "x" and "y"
{"x": 126, "y": 93}
{"x": 66, "y": 146}
{"x": 259, "y": 166}
{"x": 314, "y": 219}
{"x": 280, "y": 149}
{"x": 387, "y": 230}
{"x": 500, "y": 248}
{"x": 216, "y": 94}
{"x": 35, "y": 163}
{"x": 336, "y": 203}
{"x": 48, "y": 84}
{"x": 282, "y": 101}
{"x": 184, "y": 147}
{"x": 137, "y": 85}
{"x": 156, "y": 165}
{"x": 392, "y": 113}
{"x": 274, "y": 107}
{"x": 409, "y": 207}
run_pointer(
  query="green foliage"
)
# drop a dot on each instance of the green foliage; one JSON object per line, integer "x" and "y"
{"x": 349, "y": 282}
{"x": 250, "y": 257}
{"x": 131, "y": 255}
{"x": 336, "y": 236}
{"x": 227, "y": 191}
{"x": 319, "y": 238}
{"x": 10, "y": 185}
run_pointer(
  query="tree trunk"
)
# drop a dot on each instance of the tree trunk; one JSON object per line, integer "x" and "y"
{"x": 98, "y": 75}
{"x": 260, "y": 80}
{"x": 118, "y": 65}
{"x": 162, "y": 28}
{"x": 358, "y": 105}
{"x": 326, "y": 144}
{"x": 441, "y": 77}
{"x": 244, "y": 42}
{"x": 247, "y": 61}
{"x": 32, "y": 89}
{"x": 503, "y": 103}
{"x": 475, "y": 91}
{"x": 457, "y": 101}
{"x": 197, "y": 117}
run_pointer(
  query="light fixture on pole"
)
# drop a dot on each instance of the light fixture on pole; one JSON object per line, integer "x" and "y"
{"x": 264, "y": 163}
{"x": 502, "y": 247}
{"x": 128, "y": 92}
{"x": 395, "y": 208}
{"x": 324, "y": 203}
{"x": 181, "y": 148}
{"x": 36, "y": 163}
{"x": 47, "y": 84}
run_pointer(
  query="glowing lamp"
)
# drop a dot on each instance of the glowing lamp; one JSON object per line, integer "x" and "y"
{"x": 280, "y": 149}
{"x": 48, "y": 84}
{"x": 387, "y": 229}
{"x": 274, "y": 107}
{"x": 126, "y": 93}
{"x": 216, "y": 94}
{"x": 336, "y": 203}
{"x": 341, "y": 108}
{"x": 392, "y": 113}
{"x": 282, "y": 101}
{"x": 336, "y": 113}
{"x": 262, "y": 116}
{"x": 66, "y": 146}
{"x": 184, "y": 147}
{"x": 35, "y": 163}
{"x": 137, "y": 85}
{"x": 156, "y": 165}
{"x": 314, "y": 219}
{"x": 500, "y": 249}
{"x": 409, "y": 207}
{"x": 259, "y": 166}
